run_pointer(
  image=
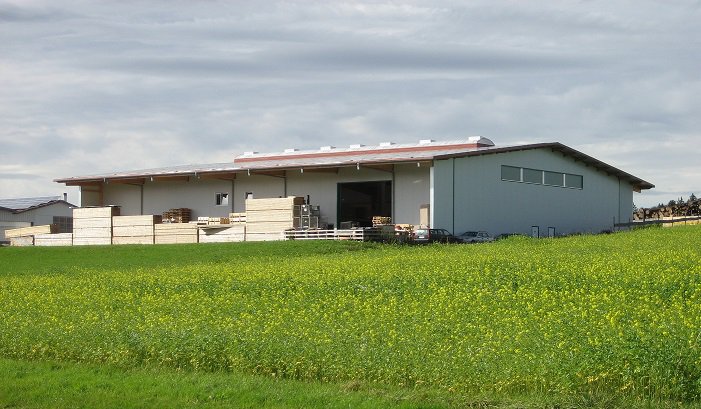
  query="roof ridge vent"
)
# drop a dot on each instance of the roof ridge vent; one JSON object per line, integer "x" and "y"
{"x": 480, "y": 140}
{"x": 327, "y": 148}
{"x": 356, "y": 146}
{"x": 426, "y": 141}
{"x": 249, "y": 153}
{"x": 385, "y": 144}
{"x": 290, "y": 150}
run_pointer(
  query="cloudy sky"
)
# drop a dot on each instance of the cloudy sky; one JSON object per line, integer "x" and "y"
{"x": 89, "y": 87}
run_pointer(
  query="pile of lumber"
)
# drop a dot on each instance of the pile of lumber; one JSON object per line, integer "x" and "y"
{"x": 180, "y": 215}
{"x": 30, "y": 231}
{"x": 176, "y": 233}
{"x": 267, "y": 219}
{"x": 237, "y": 217}
{"x": 217, "y": 220}
{"x": 222, "y": 233}
{"x": 93, "y": 225}
{"x": 134, "y": 229}
{"x": 57, "y": 239}
{"x": 381, "y": 220}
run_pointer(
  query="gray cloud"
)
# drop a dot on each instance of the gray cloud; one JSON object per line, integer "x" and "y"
{"x": 95, "y": 87}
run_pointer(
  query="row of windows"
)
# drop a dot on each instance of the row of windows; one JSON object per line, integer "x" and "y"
{"x": 541, "y": 177}
{"x": 222, "y": 198}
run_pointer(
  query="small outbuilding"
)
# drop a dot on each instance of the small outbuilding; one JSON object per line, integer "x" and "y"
{"x": 536, "y": 189}
{"x": 36, "y": 211}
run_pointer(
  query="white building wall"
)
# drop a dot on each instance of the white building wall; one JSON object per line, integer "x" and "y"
{"x": 36, "y": 217}
{"x": 477, "y": 199}
{"x": 195, "y": 194}
{"x": 126, "y": 196}
{"x": 411, "y": 190}
{"x": 262, "y": 186}
{"x": 322, "y": 186}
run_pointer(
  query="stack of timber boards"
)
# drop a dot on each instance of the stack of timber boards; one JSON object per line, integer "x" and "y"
{"x": 267, "y": 219}
{"x": 134, "y": 229}
{"x": 24, "y": 236}
{"x": 93, "y": 225}
{"x": 58, "y": 239}
{"x": 31, "y": 231}
{"x": 223, "y": 233}
{"x": 22, "y": 241}
{"x": 175, "y": 233}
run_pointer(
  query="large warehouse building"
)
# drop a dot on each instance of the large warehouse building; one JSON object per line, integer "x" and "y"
{"x": 540, "y": 189}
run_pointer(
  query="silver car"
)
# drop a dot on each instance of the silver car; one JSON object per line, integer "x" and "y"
{"x": 475, "y": 237}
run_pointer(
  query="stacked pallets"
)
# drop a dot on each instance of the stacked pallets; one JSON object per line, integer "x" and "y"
{"x": 134, "y": 229}
{"x": 93, "y": 225}
{"x": 181, "y": 215}
{"x": 175, "y": 233}
{"x": 267, "y": 219}
{"x": 381, "y": 220}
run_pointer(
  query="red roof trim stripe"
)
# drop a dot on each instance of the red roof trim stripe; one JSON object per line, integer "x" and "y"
{"x": 361, "y": 152}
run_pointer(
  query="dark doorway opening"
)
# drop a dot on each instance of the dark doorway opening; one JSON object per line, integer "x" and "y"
{"x": 359, "y": 202}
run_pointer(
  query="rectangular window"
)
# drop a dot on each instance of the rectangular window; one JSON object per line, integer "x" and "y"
{"x": 532, "y": 176}
{"x": 554, "y": 178}
{"x": 541, "y": 177}
{"x": 574, "y": 181}
{"x": 64, "y": 223}
{"x": 222, "y": 199}
{"x": 510, "y": 173}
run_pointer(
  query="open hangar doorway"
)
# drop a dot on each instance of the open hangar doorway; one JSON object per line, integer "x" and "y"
{"x": 359, "y": 202}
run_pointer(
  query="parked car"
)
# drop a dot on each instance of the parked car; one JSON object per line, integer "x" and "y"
{"x": 475, "y": 237}
{"x": 434, "y": 236}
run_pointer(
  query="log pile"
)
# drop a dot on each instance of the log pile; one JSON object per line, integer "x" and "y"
{"x": 134, "y": 229}
{"x": 266, "y": 219}
{"x": 93, "y": 225}
{"x": 691, "y": 207}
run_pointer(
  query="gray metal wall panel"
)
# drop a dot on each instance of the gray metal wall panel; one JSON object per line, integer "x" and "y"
{"x": 484, "y": 202}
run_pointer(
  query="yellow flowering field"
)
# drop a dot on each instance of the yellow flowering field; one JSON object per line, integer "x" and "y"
{"x": 612, "y": 314}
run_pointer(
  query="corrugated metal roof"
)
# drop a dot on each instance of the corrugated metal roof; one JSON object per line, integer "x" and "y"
{"x": 27, "y": 203}
{"x": 331, "y": 157}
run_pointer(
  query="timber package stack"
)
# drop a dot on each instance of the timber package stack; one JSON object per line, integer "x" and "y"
{"x": 176, "y": 233}
{"x": 93, "y": 225}
{"x": 25, "y": 236}
{"x": 57, "y": 239}
{"x": 134, "y": 229}
{"x": 267, "y": 219}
